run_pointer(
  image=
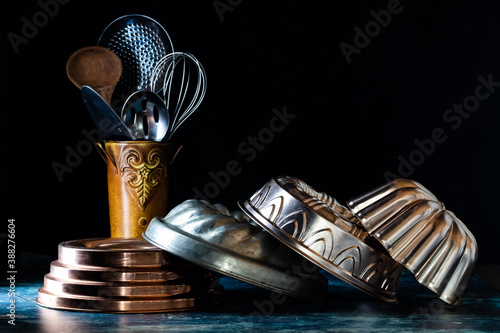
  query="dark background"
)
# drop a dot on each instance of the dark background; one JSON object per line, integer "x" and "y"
{"x": 353, "y": 120}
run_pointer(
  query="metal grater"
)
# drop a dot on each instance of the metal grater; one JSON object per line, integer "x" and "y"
{"x": 140, "y": 42}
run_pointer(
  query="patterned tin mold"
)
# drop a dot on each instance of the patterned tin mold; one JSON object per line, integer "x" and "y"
{"x": 320, "y": 229}
{"x": 226, "y": 242}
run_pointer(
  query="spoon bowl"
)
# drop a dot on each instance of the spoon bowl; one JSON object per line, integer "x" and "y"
{"x": 96, "y": 67}
{"x": 146, "y": 116}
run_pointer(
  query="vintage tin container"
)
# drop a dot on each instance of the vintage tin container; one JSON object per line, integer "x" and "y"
{"x": 138, "y": 176}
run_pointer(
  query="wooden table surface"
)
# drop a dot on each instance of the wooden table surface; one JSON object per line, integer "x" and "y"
{"x": 250, "y": 309}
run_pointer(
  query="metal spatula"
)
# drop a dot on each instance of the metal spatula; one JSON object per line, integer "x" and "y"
{"x": 104, "y": 117}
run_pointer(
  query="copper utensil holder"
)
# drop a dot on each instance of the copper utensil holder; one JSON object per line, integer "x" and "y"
{"x": 138, "y": 174}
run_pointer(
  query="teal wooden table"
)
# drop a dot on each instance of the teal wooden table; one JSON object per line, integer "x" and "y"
{"x": 251, "y": 309}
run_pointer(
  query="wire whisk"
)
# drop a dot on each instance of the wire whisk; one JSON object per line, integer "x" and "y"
{"x": 182, "y": 82}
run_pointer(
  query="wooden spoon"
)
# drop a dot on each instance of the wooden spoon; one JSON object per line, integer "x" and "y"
{"x": 96, "y": 67}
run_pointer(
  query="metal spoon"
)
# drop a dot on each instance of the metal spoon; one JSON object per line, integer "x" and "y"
{"x": 96, "y": 67}
{"x": 146, "y": 116}
{"x": 104, "y": 117}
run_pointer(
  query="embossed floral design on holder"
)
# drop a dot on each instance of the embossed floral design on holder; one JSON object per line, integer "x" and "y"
{"x": 137, "y": 184}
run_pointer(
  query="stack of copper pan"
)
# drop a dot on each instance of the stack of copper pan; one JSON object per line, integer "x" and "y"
{"x": 127, "y": 276}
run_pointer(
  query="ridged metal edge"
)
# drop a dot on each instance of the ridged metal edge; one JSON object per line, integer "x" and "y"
{"x": 418, "y": 232}
{"x": 113, "y": 252}
{"x": 129, "y": 305}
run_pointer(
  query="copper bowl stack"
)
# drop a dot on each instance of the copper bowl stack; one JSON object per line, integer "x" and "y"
{"x": 125, "y": 276}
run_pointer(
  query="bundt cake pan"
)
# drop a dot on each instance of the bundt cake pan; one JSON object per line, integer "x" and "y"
{"x": 379, "y": 204}
{"x": 212, "y": 237}
{"x": 320, "y": 229}
{"x": 418, "y": 232}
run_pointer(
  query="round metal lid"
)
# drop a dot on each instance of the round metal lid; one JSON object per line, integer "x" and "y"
{"x": 113, "y": 252}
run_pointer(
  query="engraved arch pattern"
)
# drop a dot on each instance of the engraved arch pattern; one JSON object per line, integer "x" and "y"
{"x": 322, "y": 241}
{"x": 349, "y": 259}
{"x": 272, "y": 209}
{"x": 321, "y": 238}
{"x": 294, "y": 224}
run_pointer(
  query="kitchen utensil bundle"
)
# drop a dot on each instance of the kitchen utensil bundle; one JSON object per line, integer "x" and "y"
{"x": 135, "y": 61}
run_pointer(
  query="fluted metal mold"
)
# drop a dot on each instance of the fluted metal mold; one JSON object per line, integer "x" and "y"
{"x": 418, "y": 232}
{"x": 316, "y": 226}
{"x": 213, "y": 237}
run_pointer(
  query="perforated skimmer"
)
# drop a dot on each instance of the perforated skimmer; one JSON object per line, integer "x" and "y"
{"x": 140, "y": 42}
